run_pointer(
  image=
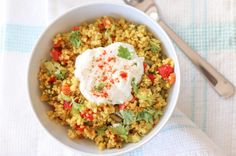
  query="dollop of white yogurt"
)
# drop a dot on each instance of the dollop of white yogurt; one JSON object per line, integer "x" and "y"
{"x": 106, "y": 73}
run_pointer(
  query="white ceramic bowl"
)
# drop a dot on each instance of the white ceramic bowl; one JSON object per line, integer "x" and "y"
{"x": 64, "y": 23}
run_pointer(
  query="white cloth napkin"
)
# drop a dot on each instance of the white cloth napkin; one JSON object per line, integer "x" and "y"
{"x": 210, "y": 31}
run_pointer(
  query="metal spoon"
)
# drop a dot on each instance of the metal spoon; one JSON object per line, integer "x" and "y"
{"x": 221, "y": 85}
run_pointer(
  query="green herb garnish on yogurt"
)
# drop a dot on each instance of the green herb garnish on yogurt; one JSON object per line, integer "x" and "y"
{"x": 124, "y": 53}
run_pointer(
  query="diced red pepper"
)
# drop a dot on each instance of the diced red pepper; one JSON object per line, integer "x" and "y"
{"x": 75, "y": 28}
{"x": 65, "y": 89}
{"x": 80, "y": 128}
{"x": 145, "y": 66}
{"x": 171, "y": 78}
{"x": 67, "y": 105}
{"x": 52, "y": 79}
{"x": 55, "y": 54}
{"x": 151, "y": 77}
{"x": 87, "y": 114}
{"x": 101, "y": 26}
{"x": 121, "y": 106}
{"x": 57, "y": 45}
{"x": 123, "y": 74}
{"x": 165, "y": 70}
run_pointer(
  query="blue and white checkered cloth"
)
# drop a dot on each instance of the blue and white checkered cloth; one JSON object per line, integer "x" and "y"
{"x": 207, "y": 125}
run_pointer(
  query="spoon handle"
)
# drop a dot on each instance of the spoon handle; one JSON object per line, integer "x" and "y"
{"x": 221, "y": 85}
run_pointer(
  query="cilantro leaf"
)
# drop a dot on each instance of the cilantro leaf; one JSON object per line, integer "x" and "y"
{"x": 128, "y": 116}
{"x": 121, "y": 131}
{"x": 75, "y": 38}
{"x": 134, "y": 86}
{"x": 154, "y": 46}
{"x": 99, "y": 86}
{"x": 124, "y": 53}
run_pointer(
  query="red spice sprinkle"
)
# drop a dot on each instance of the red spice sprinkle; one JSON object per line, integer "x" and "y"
{"x": 104, "y": 52}
{"x": 112, "y": 81}
{"x": 108, "y": 86}
{"x": 101, "y": 94}
{"x": 104, "y": 78}
{"x": 100, "y": 66}
{"x": 117, "y": 80}
{"x": 123, "y": 74}
{"x": 99, "y": 59}
{"x": 111, "y": 59}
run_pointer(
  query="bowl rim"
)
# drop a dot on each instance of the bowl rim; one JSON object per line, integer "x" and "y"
{"x": 167, "y": 116}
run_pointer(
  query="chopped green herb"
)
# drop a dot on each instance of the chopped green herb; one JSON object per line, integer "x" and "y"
{"x": 76, "y": 107}
{"x": 145, "y": 94}
{"x": 75, "y": 38}
{"x": 158, "y": 114}
{"x": 124, "y": 53}
{"x": 134, "y": 86}
{"x": 99, "y": 86}
{"x": 101, "y": 130}
{"x": 128, "y": 116}
{"x": 145, "y": 115}
{"x": 49, "y": 66}
{"x": 56, "y": 69}
{"x": 60, "y": 74}
{"x": 120, "y": 130}
{"x": 65, "y": 97}
{"x": 155, "y": 46}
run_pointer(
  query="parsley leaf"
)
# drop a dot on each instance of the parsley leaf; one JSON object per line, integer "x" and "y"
{"x": 76, "y": 107}
{"x": 99, "y": 86}
{"x": 60, "y": 74}
{"x": 154, "y": 46}
{"x": 101, "y": 130}
{"x": 128, "y": 116}
{"x": 75, "y": 38}
{"x": 134, "y": 86}
{"x": 124, "y": 53}
{"x": 145, "y": 115}
{"x": 56, "y": 69}
{"x": 65, "y": 97}
{"x": 121, "y": 131}
{"x": 158, "y": 114}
